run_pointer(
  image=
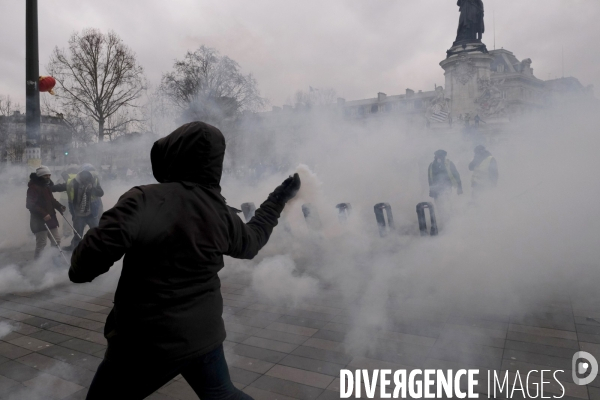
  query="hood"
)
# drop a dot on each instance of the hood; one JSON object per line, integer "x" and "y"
{"x": 84, "y": 177}
{"x": 193, "y": 152}
{"x": 38, "y": 180}
{"x": 440, "y": 153}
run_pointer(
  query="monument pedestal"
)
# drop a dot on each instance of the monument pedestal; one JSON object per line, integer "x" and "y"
{"x": 467, "y": 69}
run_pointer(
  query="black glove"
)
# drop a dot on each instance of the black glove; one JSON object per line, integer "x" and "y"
{"x": 287, "y": 190}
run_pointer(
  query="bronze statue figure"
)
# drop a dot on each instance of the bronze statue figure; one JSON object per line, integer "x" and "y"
{"x": 470, "y": 24}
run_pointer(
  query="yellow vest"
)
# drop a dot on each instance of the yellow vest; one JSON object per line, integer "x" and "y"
{"x": 481, "y": 174}
{"x": 450, "y": 175}
{"x": 64, "y": 196}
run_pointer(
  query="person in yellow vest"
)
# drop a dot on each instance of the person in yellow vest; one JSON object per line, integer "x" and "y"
{"x": 485, "y": 171}
{"x": 443, "y": 177}
{"x": 97, "y": 206}
{"x": 66, "y": 175}
{"x": 81, "y": 190}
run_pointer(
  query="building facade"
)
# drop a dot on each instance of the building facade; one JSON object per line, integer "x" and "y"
{"x": 55, "y": 139}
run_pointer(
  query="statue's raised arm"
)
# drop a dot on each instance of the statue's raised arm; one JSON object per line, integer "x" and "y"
{"x": 470, "y": 25}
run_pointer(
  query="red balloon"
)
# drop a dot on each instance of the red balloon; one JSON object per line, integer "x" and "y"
{"x": 46, "y": 83}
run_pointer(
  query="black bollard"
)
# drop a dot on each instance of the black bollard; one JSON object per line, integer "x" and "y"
{"x": 248, "y": 209}
{"x": 311, "y": 215}
{"x": 344, "y": 210}
{"x": 379, "y": 216}
{"x": 423, "y": 222}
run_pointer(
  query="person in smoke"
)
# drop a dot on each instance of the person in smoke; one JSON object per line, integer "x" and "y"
{"x": 96, "y": 205}
{"x": 485, "y": 171}
{"x": 443, "y": 176}
{"x": 167, "y": 314}
{"x": 67, "y": 174}
{"x": 42, "y": 205}
{"x": 81, "y": 192}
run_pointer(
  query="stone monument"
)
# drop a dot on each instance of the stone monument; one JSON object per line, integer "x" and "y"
{"x": 468, "y": 64}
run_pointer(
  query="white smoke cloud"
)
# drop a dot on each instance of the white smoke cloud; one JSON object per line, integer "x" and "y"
{"x": 531, "y": 239}
{"x": 5, "y": 328}
{"x": 277, "y": 279}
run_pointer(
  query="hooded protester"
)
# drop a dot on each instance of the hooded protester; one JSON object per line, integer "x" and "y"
{"x": 485, "y": 171}
{"x": 97, "y": 206}
{"x": 167, "y": 314}
{"x": 42, "y": 205}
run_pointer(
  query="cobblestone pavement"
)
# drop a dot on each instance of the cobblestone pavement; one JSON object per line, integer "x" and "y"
{"x": 284, "y": 353}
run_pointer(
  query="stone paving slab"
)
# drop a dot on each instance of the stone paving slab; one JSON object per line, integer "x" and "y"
{"x": 283, "y": 352}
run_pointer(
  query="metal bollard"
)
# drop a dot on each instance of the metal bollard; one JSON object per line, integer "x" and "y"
{"x": 423, "y": 222}
{"x": 344, "y": 210}
{"x": 311, "y": 215}
{"x": 379, "y": 216}
{"x": 248, "y": 209}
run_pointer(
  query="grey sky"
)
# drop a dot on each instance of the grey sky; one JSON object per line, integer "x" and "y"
{"x": 357, "y": 47}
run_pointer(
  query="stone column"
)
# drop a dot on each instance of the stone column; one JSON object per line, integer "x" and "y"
{"x": 464, "y": 67}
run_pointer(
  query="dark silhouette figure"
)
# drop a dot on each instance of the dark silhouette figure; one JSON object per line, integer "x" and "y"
{"x": 470, "y": 25}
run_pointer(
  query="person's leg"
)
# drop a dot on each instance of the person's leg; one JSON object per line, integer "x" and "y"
{"x": 92, "y": 221}
{"x": 56, "y": 235}
{"x": 79, "y": 225}
{"x": 129, "y": 380}
{"x": 40, "y": 243}
{"x": 208, "y": 375}
{"x": 67, "y": 231}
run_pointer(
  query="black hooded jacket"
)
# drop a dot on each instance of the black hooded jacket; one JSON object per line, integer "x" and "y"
{"x": 40, "y": 202}
{"x": 174, "y": 234}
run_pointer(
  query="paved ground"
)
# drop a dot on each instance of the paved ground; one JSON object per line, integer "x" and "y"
{"x": 296, "y": 353}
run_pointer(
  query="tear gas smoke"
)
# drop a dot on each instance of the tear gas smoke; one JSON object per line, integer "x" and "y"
{"x": 534, "y": 239}
{"x": 530, "y": 241}
{"x": 18, "y": 271}
{"x": 5, "y": 328}
{"x": 276, "y": 278}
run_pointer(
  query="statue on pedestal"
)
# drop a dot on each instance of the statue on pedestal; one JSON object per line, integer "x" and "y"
{"x": 470, "y": 25}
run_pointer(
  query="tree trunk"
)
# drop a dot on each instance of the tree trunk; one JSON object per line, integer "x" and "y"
{"x": 101, "y": 130}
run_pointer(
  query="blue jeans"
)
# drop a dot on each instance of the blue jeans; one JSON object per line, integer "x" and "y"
{"x": 79, "y": 224}
{"x": 207, "y": 374}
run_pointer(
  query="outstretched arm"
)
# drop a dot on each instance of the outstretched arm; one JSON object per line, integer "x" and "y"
{"x": 103, "y": 246}
{"x": 247, "y": 239}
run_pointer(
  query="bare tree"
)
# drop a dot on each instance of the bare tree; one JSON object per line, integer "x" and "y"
{"x": 12, "y": 139}
{"x": 98, "y": 77}
{"x": 8, "y": 107}
{"x": 160, "y": 114}
{"x": 83, "y": 128}
{"x": 208, "y": 86}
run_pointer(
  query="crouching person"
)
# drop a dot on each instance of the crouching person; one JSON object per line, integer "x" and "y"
{"x": 166, "y": 318}
{"x": 42, "y": 205}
